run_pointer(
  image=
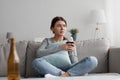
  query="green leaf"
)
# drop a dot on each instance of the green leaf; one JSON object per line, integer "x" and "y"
{"x": 73, "y": 31}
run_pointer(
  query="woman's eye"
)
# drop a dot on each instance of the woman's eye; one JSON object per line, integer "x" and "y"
{"x": 58, "y": 25}
{"x": 64, "y": 26}
{"x": 61, "y": 25}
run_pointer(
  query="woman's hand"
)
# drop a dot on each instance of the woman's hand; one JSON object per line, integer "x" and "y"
{"x": 69, "y": 46}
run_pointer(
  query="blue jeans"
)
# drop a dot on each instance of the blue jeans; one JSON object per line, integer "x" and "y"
{"x": 84, "y": 66}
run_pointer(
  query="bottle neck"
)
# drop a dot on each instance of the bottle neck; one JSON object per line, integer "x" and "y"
{"x": 12, "y": 44}
{"x": 13, "y": 50}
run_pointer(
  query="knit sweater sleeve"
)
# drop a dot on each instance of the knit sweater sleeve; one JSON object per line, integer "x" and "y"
{"x": 73, "y": 56}
{"x": 43, "y": 51}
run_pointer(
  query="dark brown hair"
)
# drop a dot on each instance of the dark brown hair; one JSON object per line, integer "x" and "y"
{"x": 55, "y": 19}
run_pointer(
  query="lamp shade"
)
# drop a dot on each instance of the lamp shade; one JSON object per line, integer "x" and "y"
{"x": 98, "y": 16}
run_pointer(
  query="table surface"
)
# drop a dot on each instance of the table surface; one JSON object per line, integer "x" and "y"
{"x": 73, "y": 78}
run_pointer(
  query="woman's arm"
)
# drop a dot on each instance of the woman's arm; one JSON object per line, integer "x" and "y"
{"x": 43, "y": 51}
{"x": 73, "y": 56}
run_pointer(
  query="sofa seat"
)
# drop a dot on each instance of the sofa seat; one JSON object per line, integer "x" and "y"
{"x": 100, "y": 76}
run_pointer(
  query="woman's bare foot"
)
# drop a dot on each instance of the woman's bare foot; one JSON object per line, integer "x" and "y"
{"x": 64, "y": 74}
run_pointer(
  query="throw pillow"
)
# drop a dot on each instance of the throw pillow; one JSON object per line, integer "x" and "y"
{"x": 59, "y": 59}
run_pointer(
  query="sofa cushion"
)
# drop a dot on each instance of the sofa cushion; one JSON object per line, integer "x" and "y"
{"x": 30, "y": 56}
{"x": 2, "y": 62}
{"x": 98, "y": 48}
{"x": 4, "y": 53}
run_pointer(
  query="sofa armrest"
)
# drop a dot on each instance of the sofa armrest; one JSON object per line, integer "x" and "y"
{"x": 114, "y": 60}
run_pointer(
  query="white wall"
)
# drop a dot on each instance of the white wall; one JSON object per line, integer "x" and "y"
{"x": 110, "y": 22}
{"x": 113, "y": 14}
{"x": 116, "y": 19}
{"x": 29, "y": 19}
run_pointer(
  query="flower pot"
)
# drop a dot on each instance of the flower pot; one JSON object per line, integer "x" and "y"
{"x": 74, "y": 36}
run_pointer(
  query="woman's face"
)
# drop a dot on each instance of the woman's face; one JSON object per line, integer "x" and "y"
{"x": 59, "y": 28}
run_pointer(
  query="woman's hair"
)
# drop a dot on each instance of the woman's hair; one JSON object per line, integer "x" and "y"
{"x": 55, "y": 19}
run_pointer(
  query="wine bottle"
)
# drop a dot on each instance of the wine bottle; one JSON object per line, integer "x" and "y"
{"x": 13, "y": 62}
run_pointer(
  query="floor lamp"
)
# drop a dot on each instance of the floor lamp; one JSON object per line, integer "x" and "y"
{"x": 98, "y": 18}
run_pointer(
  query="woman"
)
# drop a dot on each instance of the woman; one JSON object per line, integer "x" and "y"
{"x": 76, "y": 68}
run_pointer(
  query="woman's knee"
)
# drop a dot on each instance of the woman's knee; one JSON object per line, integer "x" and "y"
{"x": 93, "y": 61}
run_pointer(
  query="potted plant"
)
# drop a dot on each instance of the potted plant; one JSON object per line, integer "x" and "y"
{"x": 73, "y": 32}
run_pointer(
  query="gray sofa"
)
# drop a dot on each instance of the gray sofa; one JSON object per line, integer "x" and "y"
{"x": 108, "y": 57}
